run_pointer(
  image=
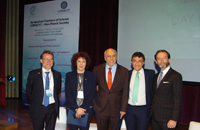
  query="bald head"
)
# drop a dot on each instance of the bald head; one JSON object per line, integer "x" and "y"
{"x": 110, "y": 56}
{"x": 109, "y": 49}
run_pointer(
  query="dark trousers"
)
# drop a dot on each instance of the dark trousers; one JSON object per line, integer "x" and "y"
{"x": 137, "y": 118}
{"x": 75, "y": 127}
{"x": 47, "y": 117}
{"x": 104, "y": 119}
{"x": 157, "y": 125}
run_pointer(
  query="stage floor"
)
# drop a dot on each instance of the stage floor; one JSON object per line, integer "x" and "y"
{"x": 13, "y": 111}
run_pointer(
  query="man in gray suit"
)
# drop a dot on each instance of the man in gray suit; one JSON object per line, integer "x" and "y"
{"x": 167, "y": 101}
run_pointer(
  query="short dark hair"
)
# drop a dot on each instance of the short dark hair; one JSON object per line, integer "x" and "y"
{"x": 47, "y": 52}
{"x": 78, "y": 55}
{"x": 138, "y": 54}
{"x": 168, "y": 55}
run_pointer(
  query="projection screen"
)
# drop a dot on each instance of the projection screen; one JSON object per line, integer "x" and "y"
{"x": 150, "y": 25}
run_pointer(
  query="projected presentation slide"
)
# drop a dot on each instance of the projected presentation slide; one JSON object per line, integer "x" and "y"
{"x": 151, "y": 25}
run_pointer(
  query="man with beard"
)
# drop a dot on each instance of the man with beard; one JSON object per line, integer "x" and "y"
{"x": 167, "y": 100}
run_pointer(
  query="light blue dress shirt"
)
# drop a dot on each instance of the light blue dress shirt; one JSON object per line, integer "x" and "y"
{"x": 113, "y": 71}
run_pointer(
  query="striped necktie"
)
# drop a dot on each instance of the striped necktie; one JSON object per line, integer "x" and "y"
{"x": 159, "y": 79}
{"x": 46, "y": 98}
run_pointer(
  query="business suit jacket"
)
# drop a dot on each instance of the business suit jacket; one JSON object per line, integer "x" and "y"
{"x": 149, "y": 79}
{"x": 117, "y": 96}
{"x": 167, "y": 101}
{"x": 35, "y": 91}
{"x": 89, "y": 87}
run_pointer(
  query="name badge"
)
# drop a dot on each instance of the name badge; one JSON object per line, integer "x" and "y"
{"x": 49, "y": 93}
{"x": 80, "y": 94}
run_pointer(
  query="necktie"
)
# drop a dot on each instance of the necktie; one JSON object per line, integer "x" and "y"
{"x": 46, "y": 98}
{"x": 159, "y": 79}
{"x": 109, "y": 79}
{"x": 135, "y": 89}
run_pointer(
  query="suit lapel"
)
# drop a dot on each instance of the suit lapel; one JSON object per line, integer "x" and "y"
{"x": 41, "y": 79}
{"x": 74, "y": 82}
{"x": 86, "y": 84}
{"x": 164, "y": 78}
{"x": 130, "y": 74}
{"x": 104, "y": 75}
{"x": 54, "y": 75}
{"x": 155, "y": 82}
{"x": 166, "y": 75}
{"x": 146, "y": 81}
{"x": 117, "y": 73}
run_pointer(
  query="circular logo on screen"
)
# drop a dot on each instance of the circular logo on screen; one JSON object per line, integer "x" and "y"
{"x": 33, "y": 10}
{"x": 64, "y": 5}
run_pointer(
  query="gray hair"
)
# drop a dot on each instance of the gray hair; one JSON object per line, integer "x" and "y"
{"x": 109, "y": 49}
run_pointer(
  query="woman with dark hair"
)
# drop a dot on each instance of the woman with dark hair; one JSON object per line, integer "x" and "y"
{"x": 80, "y": 86}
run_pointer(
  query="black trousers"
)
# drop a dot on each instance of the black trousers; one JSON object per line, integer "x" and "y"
{"x": 47, "y": 118}
{"x": 137, "y": 118}
{"x": 157, "y": 125}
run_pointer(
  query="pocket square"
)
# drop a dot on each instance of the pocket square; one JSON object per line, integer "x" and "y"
{"x": 165, "y": 82}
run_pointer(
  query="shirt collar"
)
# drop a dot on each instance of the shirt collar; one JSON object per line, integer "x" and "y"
{"x": 141, "y": 71}
{"x": 166, "y": 70}
{"x": 43, "y": 70}
{"x": 114, "y": 66}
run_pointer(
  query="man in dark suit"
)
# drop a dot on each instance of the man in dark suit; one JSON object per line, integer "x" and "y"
{"x": 112, "y": 94}
{"x": 167, "y": 100}
{"x": 42, "y": 89}
{"x": 140, "y": 94}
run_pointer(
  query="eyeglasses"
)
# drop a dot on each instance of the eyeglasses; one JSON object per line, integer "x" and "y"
{"x": 48, "y": 59}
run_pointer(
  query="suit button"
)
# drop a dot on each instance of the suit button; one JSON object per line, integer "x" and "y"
{"x": 109, "y": 93}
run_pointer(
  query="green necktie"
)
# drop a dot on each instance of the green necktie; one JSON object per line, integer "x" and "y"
{"x": 135, "y": 89}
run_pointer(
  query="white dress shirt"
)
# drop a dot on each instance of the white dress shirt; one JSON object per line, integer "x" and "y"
{"x": 142, "y": 89}
{"x": 164, "y": 72}
{"x": 51, "y": 84}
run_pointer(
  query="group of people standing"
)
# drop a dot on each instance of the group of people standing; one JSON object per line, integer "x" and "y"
{"x": 110, "y": 90}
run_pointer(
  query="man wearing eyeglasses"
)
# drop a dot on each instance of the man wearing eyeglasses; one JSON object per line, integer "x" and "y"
{"x": 43, "y": 89}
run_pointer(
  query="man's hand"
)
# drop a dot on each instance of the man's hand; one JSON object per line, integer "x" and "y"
{"x": 97, "y": 88}
{"x": 171, "y": 124}
{"x": 122, "y": 113}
